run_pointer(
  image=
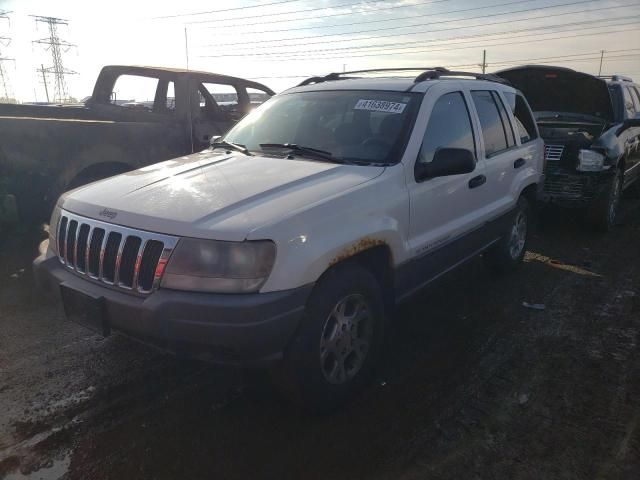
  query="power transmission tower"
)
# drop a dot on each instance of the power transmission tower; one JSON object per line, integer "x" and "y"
{"x": 56, "y": 46}
{"x": 5, "y": 89}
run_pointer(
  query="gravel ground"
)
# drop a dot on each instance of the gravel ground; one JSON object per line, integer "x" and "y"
{"x": 474, "y": 385}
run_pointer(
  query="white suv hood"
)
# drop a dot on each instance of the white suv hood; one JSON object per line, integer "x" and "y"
{"x": 214, "y": 195}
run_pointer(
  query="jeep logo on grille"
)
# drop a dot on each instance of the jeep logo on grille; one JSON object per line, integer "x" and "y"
{"x": 110, "y": 214}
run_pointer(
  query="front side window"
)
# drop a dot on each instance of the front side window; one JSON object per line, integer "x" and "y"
{"x": 524, "y": 122}
{"x": 219, "y": 101}
{"x": 365, "y": 126}
{"x": 493, "y": 132}
{"x": 256, "y": 97}
{"x": 449, "y": 127}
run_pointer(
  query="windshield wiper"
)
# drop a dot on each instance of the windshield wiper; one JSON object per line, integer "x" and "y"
{"x": 231, "y": 146}
{"x": 312, "y": 152}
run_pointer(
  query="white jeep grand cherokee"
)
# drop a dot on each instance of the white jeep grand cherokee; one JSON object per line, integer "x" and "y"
{"x": 290, "y": 239}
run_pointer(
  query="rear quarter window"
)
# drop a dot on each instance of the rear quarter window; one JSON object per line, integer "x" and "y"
{"x": 524, "y": 123}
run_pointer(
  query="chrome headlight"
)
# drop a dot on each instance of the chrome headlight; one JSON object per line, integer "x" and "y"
{"x": 216, "y": 266}
{"x": 591, "y": 161}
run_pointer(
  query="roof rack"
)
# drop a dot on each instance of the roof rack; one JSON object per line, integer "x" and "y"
{"x": 616, "y": 78}
{"x": 428, "y": 73}
{"x": 443, "y": 72}
{"x": 339, "y": 75}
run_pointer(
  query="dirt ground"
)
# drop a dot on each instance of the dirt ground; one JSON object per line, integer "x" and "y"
{"x": 474, "y": 385}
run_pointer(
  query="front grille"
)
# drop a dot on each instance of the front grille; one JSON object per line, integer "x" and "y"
{"x": 564, "y": 186}
{"x": 129, "y": 259}
{"x": 571, "y": 186}
{"x": 553, "y": 153}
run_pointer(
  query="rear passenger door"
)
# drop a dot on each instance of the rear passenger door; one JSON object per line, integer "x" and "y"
{"x": 501, "y": 155}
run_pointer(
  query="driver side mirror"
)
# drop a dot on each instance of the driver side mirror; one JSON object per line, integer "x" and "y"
{"x": 446, "y": 162}
{"x": 214, "y": 139}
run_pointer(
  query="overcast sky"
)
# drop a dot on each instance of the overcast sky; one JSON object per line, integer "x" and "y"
{"x": 274, "y": 41}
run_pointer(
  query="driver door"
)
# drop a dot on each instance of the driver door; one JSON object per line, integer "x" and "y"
{"x": 446, "y": 211}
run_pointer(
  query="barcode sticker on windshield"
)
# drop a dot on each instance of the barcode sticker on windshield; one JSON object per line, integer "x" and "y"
{"x": 380, "y": 106}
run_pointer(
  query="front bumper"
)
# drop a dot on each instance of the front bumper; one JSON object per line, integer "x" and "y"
{"x": 245, "y": 329}
{"x": 571, "y": 189}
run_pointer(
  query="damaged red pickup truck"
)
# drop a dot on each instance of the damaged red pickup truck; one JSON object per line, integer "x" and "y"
{"x": 136, "y": 116}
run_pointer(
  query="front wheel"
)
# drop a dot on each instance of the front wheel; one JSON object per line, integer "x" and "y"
{"x": 339, "y": 340}
{"x": 508, "y": 253}
{"x": 605, "y": 210}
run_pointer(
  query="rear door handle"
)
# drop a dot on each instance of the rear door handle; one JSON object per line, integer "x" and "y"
{"x": 519, "y": 162}
{"x": 477, "y": 181}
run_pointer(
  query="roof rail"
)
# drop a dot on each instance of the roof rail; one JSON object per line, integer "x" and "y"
{"x": 443, "y": 72}
{"x": 339, "y": 75}
{"x": 429, "y": 73}
{"x": 616, "y": 78}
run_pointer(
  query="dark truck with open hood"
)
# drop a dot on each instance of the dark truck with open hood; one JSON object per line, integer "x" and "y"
{"x": 591, "y": 129}
{"x": 136, "y": 116}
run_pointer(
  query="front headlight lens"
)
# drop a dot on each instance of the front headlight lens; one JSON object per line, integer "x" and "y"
{"x": 590, "y": 161}
{"x": 216, "y": 266}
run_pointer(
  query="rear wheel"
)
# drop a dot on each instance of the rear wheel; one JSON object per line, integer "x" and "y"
{"x": 604, "y": 211}
{"x": 336, "y": 348}
{"x": 508, "y": 253}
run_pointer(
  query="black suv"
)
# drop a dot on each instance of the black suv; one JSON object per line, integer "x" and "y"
{"x": 591, "y": 128}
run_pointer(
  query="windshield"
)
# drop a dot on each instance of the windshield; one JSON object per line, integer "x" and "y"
{"x": 357, "y": 126}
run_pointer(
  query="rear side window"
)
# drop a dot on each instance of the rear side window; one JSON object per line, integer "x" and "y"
{"x": 506, "y": 123}
{"x": 449, "y": 127}
{"x": 524, "y": 123}
{"x": 635, "y": 98}
{"x": 493, "y": 132}
{"x": 629, "y": 108}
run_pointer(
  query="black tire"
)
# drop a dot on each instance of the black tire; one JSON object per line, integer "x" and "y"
{"x": 602, "y": 213}
{"x": 508, "y": 253}
{"x": 305, "y": 378}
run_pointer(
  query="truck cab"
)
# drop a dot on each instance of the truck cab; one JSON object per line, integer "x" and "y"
{"x": 135, "y": 117}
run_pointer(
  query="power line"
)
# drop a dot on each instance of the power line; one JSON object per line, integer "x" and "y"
{"x": 420, "y": 43}
{"x": 223, "y": 10}
{"x": 457, "y": 27}
{"x": 295, "y": 39}
{"x": 564, "y": 58}
{"x": 319, "y": 17}
{"x": 377, "y": 54}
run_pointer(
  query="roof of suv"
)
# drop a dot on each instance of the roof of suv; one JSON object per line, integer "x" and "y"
{"x": 396, "y": 84}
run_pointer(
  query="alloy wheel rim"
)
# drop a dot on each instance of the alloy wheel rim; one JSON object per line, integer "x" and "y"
{"x": 346, "y": 339}
{"x": 518, "y": 235}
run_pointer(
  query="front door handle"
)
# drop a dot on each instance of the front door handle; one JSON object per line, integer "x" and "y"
{"x": 477, "y": 181}
{"x": 519, "y": 162}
